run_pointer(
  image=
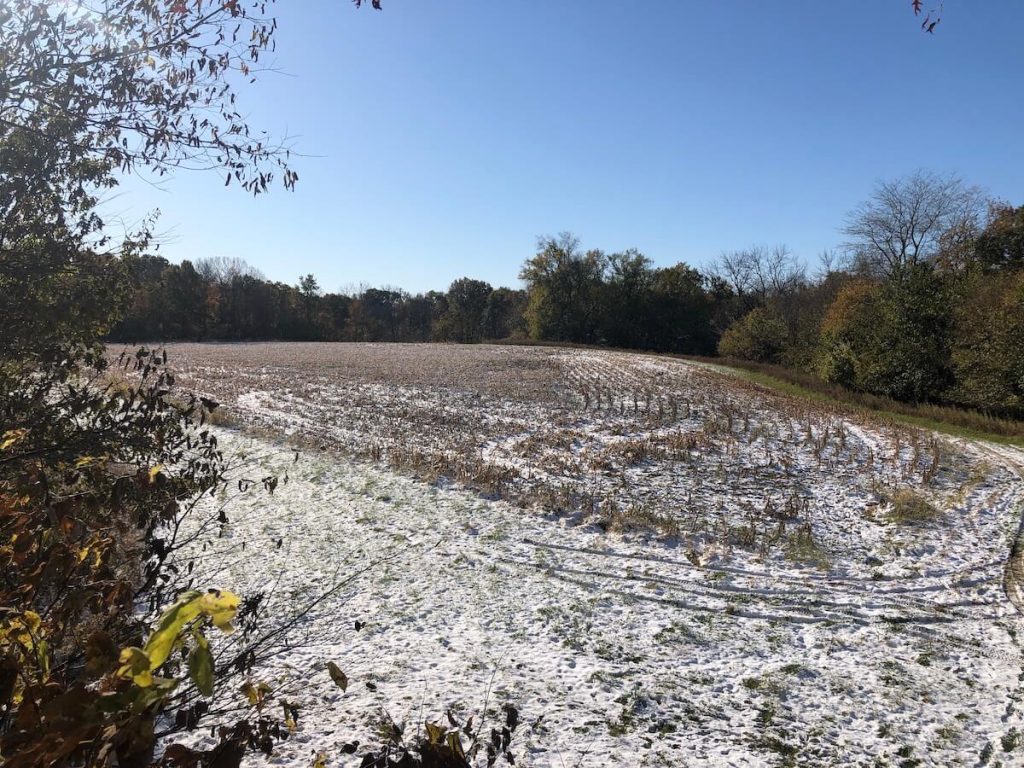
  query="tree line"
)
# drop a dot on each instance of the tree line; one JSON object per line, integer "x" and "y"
{"x": 926, "y": 306}
{"x": 227, "y": 300}
{"x": 617, "y": 299}
{"x": 923, "y": 303}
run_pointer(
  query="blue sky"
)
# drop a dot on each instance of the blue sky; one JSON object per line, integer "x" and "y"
{"x": 439, "y": 138}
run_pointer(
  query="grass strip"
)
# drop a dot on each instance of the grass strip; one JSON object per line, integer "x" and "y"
{"x": 957, "y": 422}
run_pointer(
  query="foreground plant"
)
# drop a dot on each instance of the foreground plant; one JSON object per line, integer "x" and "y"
{"x": 112, "y": 718}
{"x": 91, "y": 478}
{"x": 95, "y": 476}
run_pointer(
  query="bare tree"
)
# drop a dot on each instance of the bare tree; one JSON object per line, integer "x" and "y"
{"x": 224, "y": 269}
{"x": 759, "y": 273}
{"x": 914, "y": 220}
{"x": 828, "y": 264}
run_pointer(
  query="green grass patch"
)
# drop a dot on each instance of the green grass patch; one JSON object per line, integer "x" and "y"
{"x": 957, "y": 422}
{"x": 908, "y": 507}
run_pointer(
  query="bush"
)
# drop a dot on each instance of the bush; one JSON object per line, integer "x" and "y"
{"x": 91, "y": 476}
{"x": 760, "y": 335}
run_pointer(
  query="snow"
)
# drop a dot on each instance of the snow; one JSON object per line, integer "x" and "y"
{"x": 872, "y": 642}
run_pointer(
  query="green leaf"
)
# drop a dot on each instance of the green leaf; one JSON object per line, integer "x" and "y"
{"x": 200, "y": 666}
{"x": 340, "y": 678}
{"x": 156, "y": 692}
{"x": 219, "y": 606}
{"x": 172, "y": 622}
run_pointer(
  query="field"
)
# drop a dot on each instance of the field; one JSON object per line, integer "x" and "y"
{"x": 657, "y": 563}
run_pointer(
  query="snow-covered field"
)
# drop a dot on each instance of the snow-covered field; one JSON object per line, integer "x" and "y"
{"x": 656, "y": 563}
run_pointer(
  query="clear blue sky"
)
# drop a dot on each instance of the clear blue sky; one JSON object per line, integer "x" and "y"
{"x": 442, "y": 136}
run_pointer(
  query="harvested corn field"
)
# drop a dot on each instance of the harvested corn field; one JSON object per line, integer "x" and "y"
{"x": 655, "y": 562}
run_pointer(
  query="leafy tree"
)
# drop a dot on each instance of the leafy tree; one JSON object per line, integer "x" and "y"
{"x": 1001, "y": 244}
{"x": 803, "y": 311}
{"x": 912, "y": 359}
{"x": 625, "y": 305}
{"x": 438, "y": 305}
{"x": 374, "y": 315}
{"x": 680, "y": 311}
{"x": 338, "y": 308}
{"x": 564, "y": 286}
{"x": 309, "y": 286}
{"x": 187, "y": 312}
{"x": 313, "y": 326}
{"x": 892, "y": 339}
{"x": 467, "y": 305}
{"x": 418, "y": 316}
{"x": 503, "y": 315}
{"x": 988, "y": 344}
{"x": 847, "y": 333}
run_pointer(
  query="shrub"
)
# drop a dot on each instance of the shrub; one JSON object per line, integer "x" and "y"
{"x": 90, "y": 478}
{"x": 760, "y": 335}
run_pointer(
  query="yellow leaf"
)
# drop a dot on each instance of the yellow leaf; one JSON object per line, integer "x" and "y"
{"x": 221, "y": 606}
{"x": 12, "y": 437}
{"x": 31, "y": 620}
{"x": 154, "y": 471}
{"x": 256, "y": 693}
{"x": 169, "y": 627}
{"x": 21, "y": 629}
{"x": 435, "y": 733}
{"x": 250, "y": 693}
{"x": 136, "y": 664}
{"x": 320, "y": 761}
